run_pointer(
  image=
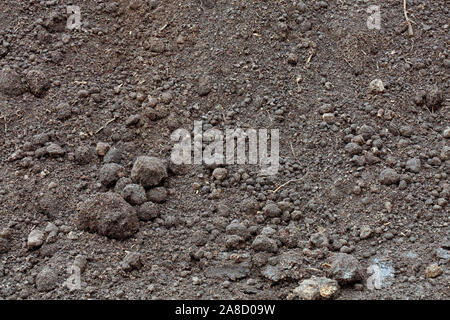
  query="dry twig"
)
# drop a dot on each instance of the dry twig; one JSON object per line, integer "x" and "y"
{"x": 408, "y": 21}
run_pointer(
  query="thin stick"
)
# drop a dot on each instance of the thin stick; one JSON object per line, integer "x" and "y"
{"x": 103, "y": 127}
{"x": 408, "y": 21}
{"x": 286, "y": 183}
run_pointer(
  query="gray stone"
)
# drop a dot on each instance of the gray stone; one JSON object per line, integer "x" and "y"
{"x": 316, "y": 288}
{"x": 148, "y": 171}
{"x": 157, "y": 195}
{"x": 110, "y": 173}
{"x": 11, "y": 83}
{"x": 35, "y": 239}
{"x": 46, "y": 280}
{"x": 134, "y": 194}
{"x": 271, "y": 210}
{"x": 413, "y": 165}
{"x": 352, "y": 148}
{"x": 319, "y": 240}
{"x": 148, "y": 211}
{"x": 389, "y": 176}
{"x": 345, "y": 268}
{"x": 107, "y": 214}
{"x": 131, "y": 261}
{"x": 113, "y": 156}
{"x": 37, "y": 82}
{"x": 264, "y": 243}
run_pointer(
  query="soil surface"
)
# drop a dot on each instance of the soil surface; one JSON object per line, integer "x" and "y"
{"x": 92, "y": 206}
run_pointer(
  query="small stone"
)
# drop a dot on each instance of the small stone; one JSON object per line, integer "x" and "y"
{"x": 264, "y": 243}
{"x": 110, "y": 173}
{"x": 389, "y": 176}
{"x": 271, "y": 210}
{"x": 433, "y": 271}
{"x": 389, "y": 235}
{"x": 345, "y": 268}
{"x": 413, "y": 165}
{"x": 446, "y": 133}
{"x": 219, "y": 173}
{"x": 157, "y": 195}
{"x": 37, "y": 82}
{"x": 35, "y": 239}
{"x": 134, "y": 194}
{"x": 148, "y": 211}
{"x": 113, "y": 156}
{"x": 131, "y": 261}
{"x": 204, "y": 86}
{"x": 46, "y": 280}
{"x": 365, "y": 232}
{"x": 107, "y": 214}
{"x": 11, "y": 83}
{"x": 54, "y": 150}
{"x": 292, "y": 59}
{"x": 148, "y": 171}
{"x": 353, "y": 149}
{"x": 329, "y": 118}
{"x": 376, "y": 86}
{"x": 102, "y": 148}
{"x": 319, "y": 240}
{"x": 316, "y": 288}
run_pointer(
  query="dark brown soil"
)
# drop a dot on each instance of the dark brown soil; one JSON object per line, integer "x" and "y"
{"x": 137, "y": 70}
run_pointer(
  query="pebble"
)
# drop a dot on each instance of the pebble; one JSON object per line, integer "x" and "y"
{"x": 271, "y": 210}
{"x": 219, "y": 173}
{"x": 204, "y": 86}
{"x": 102, "y": 148}
{"x": 315, "y": 288}
{"x": 446, "y": 133}
{"x": 433, "y": 271}
{"x": 131, "y": 261}
{"x": 148, "y": 171}
{"x": 157, "y": 195}
{"x": 11, "y": 83}
{"x": 35, "y": 239}
{"x": 134, "y": 194}
{"x": 110, "y": 173}
{"x": 46, "y": 280}
{"x": 389, "y": 176}
{"x": 376, "y": 86}
{"x": 345, "y": 268}
{"x": 365, "y": 232}
{"x": 37, "y": 82}
{"x": 113, "y": 155}
{"x": 329, "y": 118}
{"x": 413, "y": 165}
{"x": 107, "y": 214}
{"x": 264, "y": 243}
